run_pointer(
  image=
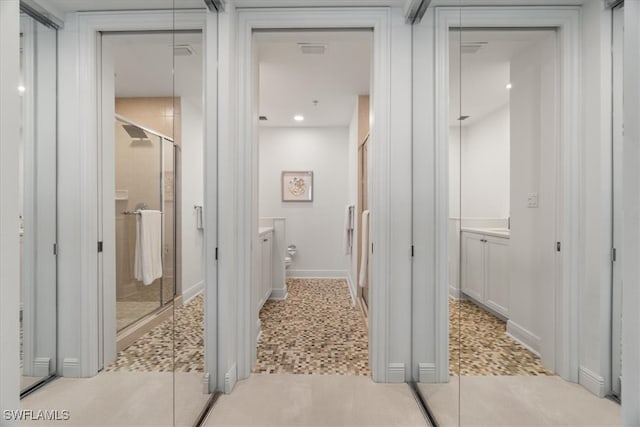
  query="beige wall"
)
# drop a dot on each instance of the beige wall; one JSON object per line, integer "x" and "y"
{"x": 155, "y": 113}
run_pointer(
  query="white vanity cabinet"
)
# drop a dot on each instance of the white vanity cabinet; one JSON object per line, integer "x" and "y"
{"x": 265, "y": 282}
{"x": 485, "y": 269}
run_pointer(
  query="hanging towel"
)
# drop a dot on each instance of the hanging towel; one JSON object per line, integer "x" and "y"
{"x": 347, "y": 231}
{"x": 148, "y": 257}
{"x": 364, "y": 258}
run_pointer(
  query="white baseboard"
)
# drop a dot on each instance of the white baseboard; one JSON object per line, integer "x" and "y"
{"x": 455, "y": 293}
{"x": 42, "y": 367}
{"x": 71, "y": 368}
{"x": 524, "y": 337}
{"x": 192, "y": 292}
{"x": 230, "y": 379}
{"x": 591, "y": 381}
{"x": 317, "y": 274}
{"x": 279, "y": 294}
{"x": 395, "y": 373}
{"x": 426, "y": 372}
{"x": 352, "y": 291}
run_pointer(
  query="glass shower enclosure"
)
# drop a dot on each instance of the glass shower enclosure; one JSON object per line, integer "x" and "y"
{"x": 145, "y": 179}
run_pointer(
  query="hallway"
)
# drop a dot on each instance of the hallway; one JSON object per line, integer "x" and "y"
{"x": 306, "y": 400}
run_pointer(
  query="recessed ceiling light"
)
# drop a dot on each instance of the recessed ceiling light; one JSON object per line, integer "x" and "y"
{"x": 21, "y": 89}
{"x": 509, "y": 85}
{"x": 298, "y": 118}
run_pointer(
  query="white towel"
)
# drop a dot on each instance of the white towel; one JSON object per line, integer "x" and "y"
{"x": 148, "y": 259}
{"x": 364, "y": 257}
{"x": 347, "y": 231}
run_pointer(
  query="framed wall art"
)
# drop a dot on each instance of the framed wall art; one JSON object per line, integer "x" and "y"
{"x": 297, "y": 186}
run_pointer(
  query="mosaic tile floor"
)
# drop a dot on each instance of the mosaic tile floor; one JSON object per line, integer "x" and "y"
{"x": 154, "y": 351}
{"x": 483, "y": 347}
{"x": 315, "y": 331}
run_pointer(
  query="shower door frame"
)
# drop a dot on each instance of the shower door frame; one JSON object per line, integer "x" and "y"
{"x": 176, "y": 148}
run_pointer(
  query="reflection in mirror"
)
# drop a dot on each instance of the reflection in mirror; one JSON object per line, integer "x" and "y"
{"x": 144, "y": 214}
{"x": 145, "y": 315}
{"x": 191, "y": 383}
{"x": 37, "y": 200}
{"x": 510, "y": 211}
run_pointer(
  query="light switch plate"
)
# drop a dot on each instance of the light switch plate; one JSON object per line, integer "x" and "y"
{"x": 532, "y": 200}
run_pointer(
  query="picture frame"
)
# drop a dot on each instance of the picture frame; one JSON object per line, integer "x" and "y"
{"x": 297, "y": 186}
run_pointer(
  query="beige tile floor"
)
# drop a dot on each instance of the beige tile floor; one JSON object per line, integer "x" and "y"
{"x": 315, "y": 400}
{"x": 518, "y": 401}
{"x": 122, "y": 399}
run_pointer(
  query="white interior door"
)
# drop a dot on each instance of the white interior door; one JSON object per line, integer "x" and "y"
{"x": 618, "y": 135}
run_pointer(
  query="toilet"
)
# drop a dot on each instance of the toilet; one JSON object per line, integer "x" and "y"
{"x": 291, "y": 252}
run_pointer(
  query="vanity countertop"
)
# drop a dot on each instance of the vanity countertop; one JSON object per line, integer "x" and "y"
{"x": 496, "y": 232}
{"x": 264, "y": 230}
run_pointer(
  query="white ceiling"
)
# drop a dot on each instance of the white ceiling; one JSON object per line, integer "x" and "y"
{"x": 485, "y": 73}
{"x": 290, "y": 81}
{"x": 144, "y": 64}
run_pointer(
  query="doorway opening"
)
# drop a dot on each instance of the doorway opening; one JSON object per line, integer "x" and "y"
{"x": 310, "y": 280}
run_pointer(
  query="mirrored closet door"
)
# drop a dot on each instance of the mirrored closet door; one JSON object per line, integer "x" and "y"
{"x": 37, "y": 202}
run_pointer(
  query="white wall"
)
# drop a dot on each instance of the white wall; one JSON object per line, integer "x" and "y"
{"x": 400, "y": 203}
{"x": 192, "y": 187}
{"x": 228, "y": 340}
{"x": 485, "y": 166}
{"x": 532, "y": 237}
{"x": 316, "y": 228}
{"x": 595, "y": 298}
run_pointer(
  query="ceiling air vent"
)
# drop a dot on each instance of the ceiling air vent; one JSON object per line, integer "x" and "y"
{"x": 182, "y": 50}
{"x": 471, "y": 47}
{"x": 312, "y": 48}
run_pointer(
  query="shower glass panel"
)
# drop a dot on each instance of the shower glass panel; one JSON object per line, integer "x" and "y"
{"x": 37, "y": 203}
{"x": 139, "y": 180}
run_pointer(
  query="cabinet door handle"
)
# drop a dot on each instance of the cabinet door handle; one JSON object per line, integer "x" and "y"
{"x": 265, "y": 240}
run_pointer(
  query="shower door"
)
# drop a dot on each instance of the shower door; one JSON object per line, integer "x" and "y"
{"x": 144, "y": 181}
